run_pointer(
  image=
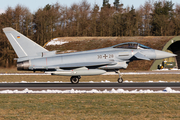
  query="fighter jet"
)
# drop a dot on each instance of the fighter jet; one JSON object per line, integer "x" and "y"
{"x": 33, "y": 57}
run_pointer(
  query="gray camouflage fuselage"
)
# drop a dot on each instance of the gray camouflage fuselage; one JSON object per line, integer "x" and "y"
{"x": 33, "y": 57}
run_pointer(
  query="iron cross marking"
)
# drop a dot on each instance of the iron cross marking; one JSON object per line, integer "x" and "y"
{"x": 105, "y": 56}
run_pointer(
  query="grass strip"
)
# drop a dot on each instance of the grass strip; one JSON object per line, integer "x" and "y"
{"x": 111, "y": 78}
{"x": 89, "y": 106}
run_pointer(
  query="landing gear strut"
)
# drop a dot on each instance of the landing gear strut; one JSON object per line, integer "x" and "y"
{"x": 75, "y": 79}
{"x": 120, "y": 79}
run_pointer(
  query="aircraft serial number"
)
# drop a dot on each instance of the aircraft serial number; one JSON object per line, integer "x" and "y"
{"x": 105, "y": 56}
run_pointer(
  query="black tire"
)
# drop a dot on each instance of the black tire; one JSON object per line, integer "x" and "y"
{"x": 120, "y": 80}
{"x": 74, "y": 79}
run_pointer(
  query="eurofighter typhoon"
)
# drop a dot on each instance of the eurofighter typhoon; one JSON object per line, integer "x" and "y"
{"x": 33, "y": 57}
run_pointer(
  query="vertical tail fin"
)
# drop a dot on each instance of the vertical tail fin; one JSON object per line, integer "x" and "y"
{"x": 22, "y": 45}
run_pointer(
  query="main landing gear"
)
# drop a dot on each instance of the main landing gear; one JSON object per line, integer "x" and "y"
{"x": 120, "y": 79}
{"x": 75, "y": 79}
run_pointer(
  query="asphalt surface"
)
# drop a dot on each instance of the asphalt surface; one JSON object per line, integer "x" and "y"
{"x": 88, "y": 86}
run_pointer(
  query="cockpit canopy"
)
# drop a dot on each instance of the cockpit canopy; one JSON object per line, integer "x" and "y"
{"x": 131, "y": 45}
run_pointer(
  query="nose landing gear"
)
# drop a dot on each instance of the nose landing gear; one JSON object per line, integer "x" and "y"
{"x": 120, "y": 79}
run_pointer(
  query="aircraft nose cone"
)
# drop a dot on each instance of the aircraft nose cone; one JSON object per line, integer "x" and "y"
{"x": 162, "y": 54}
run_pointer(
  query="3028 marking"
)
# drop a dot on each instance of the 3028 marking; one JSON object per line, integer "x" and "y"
{"x": 105, "y": 56}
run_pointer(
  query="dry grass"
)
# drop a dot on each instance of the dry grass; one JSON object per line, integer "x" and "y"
{"x": 89, "y": 43}
{"x": 89, "y": 106}
{"x": 112, "y": 78}
{"x": 99, "y": 78}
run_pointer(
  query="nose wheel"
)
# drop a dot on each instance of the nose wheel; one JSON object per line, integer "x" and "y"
{"x": 120, "y": 79}
{"x": 75, "y": 79}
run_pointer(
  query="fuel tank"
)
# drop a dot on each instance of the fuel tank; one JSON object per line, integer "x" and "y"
{"x": 87, "y": 72}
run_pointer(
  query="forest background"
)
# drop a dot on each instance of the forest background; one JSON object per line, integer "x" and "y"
{"x": 158, "y": 18}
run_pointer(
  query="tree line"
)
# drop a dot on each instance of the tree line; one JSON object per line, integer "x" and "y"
{"x": 159, "y": 18}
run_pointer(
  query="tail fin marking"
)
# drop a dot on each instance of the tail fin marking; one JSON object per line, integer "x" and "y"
{"x": 19, "y": 47}
{"x": 22, "y": 45}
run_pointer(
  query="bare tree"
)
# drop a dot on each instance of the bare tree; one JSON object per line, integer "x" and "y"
{"x": 177, "y": 19}
{"x": 147, "y": 10}
{"x": 94, "y": 20}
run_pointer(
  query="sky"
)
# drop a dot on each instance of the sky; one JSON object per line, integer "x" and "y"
{"x": 34, "y": 5}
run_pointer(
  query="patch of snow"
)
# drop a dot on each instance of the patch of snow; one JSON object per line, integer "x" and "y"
{"x": 108, "y": 73}
{"x": 166, "y": 90}
{"x": 56, "y": 81}
{"x": 174, "y": 69}
{"x": 170, "y": 90}
{"x": 23, "y": 81}
{"x": 142, "y": 73}
{"x": 162, "y": 81}
{"x": 106, "y": 81}
{"x": 56, "y": 42}
{"x": 126, "y": 81}
{"x": 165, "y": 69}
